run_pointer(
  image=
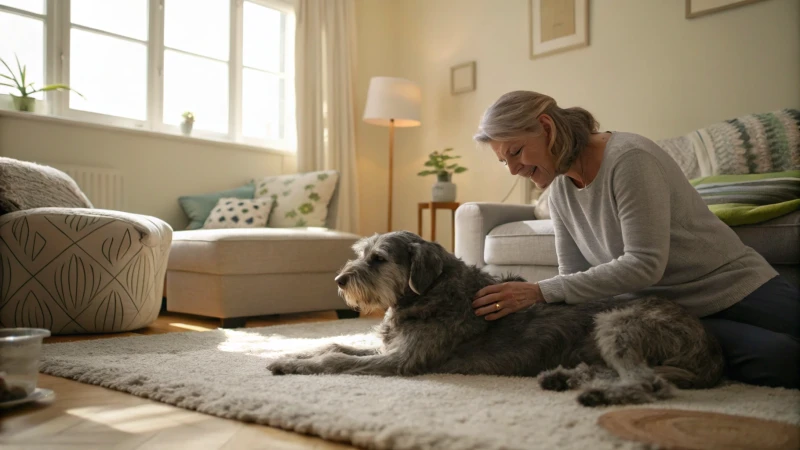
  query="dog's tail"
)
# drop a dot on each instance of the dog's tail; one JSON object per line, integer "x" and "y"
{"x": 682, "y": 378}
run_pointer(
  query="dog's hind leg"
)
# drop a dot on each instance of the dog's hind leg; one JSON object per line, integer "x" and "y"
{"x": 624, "y": 342}
{"x": 337, "y": 348}
{"x": 561, "y": 379}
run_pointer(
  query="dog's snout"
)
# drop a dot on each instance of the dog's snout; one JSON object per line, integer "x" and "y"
{"x": 341, "y": 280}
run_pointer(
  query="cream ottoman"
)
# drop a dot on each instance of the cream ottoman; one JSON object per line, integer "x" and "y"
{"x": 237, "y": 273}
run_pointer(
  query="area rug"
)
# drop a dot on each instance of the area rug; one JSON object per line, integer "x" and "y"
{"x": 223, "y": 373}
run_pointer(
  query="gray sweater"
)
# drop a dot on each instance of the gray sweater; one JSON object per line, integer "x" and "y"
{"x": 639, "y": 228}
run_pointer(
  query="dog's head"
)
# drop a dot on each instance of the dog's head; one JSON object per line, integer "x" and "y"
{"x": 387, "y": 265}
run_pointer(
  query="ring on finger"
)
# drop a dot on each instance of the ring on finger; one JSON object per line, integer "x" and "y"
{"x": 497, "y": 306}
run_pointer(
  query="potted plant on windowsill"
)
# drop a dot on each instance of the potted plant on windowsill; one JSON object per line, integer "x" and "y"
{"x": 24, "y": 101}
{"x": 188, "y": 122}
{"x": 444, "y": 190}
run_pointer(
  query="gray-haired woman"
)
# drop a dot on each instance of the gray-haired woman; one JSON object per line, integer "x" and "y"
{"x": 628, "y": 223}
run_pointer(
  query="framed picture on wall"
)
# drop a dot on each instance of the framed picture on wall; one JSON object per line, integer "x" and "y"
{"x": 558, "y": 25}
{"x": 462, "y": 78}
{"x": 697, "y": 8}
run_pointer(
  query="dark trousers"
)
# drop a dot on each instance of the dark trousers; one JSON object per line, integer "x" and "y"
{"x": 760, "y": 336}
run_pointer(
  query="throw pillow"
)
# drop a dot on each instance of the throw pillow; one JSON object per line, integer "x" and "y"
{"x": 27, "y": 185}
{"x": 198, "y": 207}
{"x": 301, "y": 200}
{"x": 232, "y": 212}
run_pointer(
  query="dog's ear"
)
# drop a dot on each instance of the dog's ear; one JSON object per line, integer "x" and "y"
{"x": 426, "y": 266}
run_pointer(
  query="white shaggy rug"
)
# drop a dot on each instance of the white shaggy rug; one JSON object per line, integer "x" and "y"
{"x": 222, "y": 373}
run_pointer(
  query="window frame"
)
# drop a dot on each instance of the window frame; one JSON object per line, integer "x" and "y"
{"x": 58, "y": 26}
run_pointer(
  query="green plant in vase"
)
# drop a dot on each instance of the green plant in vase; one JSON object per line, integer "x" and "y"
{"x": 441, "y": 164}
{"x": 25, "y": 101}
{"x": 188, "y": 122}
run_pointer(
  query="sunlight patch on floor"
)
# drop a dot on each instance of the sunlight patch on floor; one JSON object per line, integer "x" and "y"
{"x": 136, "y": 419}
{"x": 186, "y": 326}
{"x": 256, "y": 344}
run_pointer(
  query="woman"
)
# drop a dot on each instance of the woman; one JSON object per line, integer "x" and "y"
{"x": 627, "y": 224}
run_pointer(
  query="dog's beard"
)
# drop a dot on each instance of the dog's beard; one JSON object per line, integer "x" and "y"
{"x": 361, "y": 297}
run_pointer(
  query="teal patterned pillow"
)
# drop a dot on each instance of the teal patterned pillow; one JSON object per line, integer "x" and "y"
{"x": 301, "y": 200}
{"x": 198, "y": 207}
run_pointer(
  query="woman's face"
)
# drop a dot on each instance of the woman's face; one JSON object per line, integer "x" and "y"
{"x": 528, "y": 156}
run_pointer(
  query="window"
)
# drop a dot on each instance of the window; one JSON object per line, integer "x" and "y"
{"x": 143, "y": 63}
{"x": 22, "y": 24}
{"x": 108, "y": 57}
{"x": 196, "y": 58}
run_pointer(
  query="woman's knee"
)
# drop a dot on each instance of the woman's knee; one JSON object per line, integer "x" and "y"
{"x": 773, "y": 362}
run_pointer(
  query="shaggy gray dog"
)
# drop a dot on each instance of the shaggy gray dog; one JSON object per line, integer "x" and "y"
{"x": 617, "y": 351}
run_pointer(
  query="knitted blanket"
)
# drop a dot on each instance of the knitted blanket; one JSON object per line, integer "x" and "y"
{"x": 755, "y": 143}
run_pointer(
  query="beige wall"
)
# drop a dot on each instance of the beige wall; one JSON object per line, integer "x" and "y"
{"x": 157, "y": 169}
{"x": 648, "y": 70}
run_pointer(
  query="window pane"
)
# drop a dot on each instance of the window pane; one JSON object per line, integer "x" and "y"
{"x": 125, "y": 17}
{"x": 262, "y": 37}
{"x": 261, "y": 104}
{"x": 24, "y": 37}
{"x": 198, "y": 26}
{"x": 111, "y": 73}
{"x": 198, "y": 85}
{"x": 34, "y": 6}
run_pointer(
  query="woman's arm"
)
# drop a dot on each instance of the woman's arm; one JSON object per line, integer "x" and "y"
{"x": 641, "y": 193}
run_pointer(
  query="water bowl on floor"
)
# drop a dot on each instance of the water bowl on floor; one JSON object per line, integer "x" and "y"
{"x": 20, "y": 349}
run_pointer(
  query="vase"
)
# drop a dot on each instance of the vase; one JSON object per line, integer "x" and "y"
{"x": 186, "y": 128}
{"x": 24, "y": 104}
{"x": 444, "y": 190}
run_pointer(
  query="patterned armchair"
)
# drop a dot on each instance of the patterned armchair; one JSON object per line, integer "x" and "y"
{"x": 77, "y": 270}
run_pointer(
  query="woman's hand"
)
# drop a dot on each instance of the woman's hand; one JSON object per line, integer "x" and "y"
{"x": 500, "y": 300}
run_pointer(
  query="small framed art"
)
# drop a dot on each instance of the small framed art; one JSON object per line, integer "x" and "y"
{"x": 697, "y": 8}
{"x": 558, "y": 25}
{"x": 462, "y": 78}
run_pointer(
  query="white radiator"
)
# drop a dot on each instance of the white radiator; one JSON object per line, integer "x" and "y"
{"x": 104, "y": 187}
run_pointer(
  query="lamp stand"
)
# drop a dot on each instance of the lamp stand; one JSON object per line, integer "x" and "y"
{"x": 391, "y": 170}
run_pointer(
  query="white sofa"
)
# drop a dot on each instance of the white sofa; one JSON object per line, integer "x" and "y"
{"x": 232, "y": 274}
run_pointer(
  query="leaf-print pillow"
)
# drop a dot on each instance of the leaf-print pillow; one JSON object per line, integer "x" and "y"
{"x": 232, "y": 212}
{"x": 301, "y": 200}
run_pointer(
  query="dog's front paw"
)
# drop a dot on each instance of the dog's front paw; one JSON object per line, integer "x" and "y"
{"x": 291, "y": 366}
{"x": 594, "y": 398}
{"x": 554, "y": 380}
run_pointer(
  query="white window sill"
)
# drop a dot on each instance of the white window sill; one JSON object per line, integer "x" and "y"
{"x": 73, "y": 122}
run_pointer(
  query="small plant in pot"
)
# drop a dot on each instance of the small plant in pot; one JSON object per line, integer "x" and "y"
{"x": 25, "y": 101}
{"x": 188, "y": 122}
{"x": 441, "y": 164}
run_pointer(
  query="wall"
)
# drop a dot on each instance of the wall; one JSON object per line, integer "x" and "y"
{"x": 157, "y": 169}
{"x": 647, "y": 70}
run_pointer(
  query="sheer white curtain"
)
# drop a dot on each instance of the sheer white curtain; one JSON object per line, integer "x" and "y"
{"x": 325, "y": 55}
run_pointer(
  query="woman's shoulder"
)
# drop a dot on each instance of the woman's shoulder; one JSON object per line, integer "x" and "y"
{"x": 625, "y": 147}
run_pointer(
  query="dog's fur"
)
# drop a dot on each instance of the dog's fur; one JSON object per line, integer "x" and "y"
{"x": 618, "y": 351}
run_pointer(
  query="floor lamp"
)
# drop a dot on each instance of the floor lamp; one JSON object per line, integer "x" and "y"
{"x": 392, "y": 102}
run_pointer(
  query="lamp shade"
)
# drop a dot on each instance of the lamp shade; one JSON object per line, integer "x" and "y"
{"x": 393, "y": 98}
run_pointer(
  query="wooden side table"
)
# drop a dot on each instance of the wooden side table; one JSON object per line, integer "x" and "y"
{"x": 433, "y": 206}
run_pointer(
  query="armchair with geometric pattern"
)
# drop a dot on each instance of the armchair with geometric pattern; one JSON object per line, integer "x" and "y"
{"x": 76, "y": 270}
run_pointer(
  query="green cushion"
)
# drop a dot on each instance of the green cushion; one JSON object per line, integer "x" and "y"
{"x": 735, "y": 214}
{"x": 198, "y": 207}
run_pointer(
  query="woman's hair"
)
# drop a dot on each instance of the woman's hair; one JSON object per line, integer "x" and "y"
{"x": 515, "y": 115}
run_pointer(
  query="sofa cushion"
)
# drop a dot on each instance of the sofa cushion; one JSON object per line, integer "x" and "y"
{"x": 777, "y": 240}
{"x": 247, "y": 251}
{"x": 533, "y": 241}
{"x": 526, "y": 242}
{"x": 232, "y": 212}
{"x": 198, "y": 207}
{"x": 301, "y": 199}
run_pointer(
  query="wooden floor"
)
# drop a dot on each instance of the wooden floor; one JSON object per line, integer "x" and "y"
{"x": 91, "y": 417}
